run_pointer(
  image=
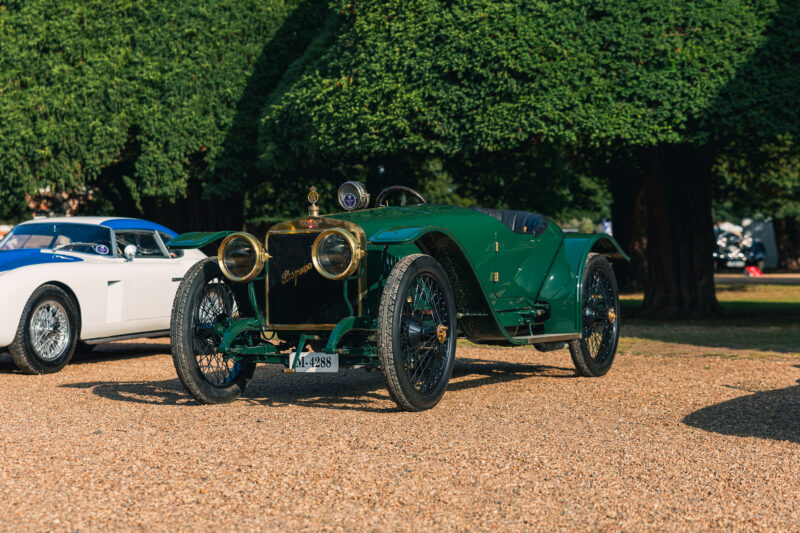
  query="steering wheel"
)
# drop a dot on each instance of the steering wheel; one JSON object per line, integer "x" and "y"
{"x": 394, "y": 189}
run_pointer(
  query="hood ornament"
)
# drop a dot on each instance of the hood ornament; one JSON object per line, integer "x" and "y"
{"x": 313, "y": 198}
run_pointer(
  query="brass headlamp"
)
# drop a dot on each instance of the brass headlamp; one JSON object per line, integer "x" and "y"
{"x": 241, "y": 257}
{"x": 336, "y": 253}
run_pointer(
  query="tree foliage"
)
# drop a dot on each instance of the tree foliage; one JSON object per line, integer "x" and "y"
{"x": 139, "y": 94}
{"x": 760, "y": 178}
{"x": 454, "y": 79}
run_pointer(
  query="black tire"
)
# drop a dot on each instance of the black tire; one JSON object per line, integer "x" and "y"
{"x": 203, "y": 297}
{"x": 593, "y": 354}
{"x": 416, "y": 362}
{"x": 47, "y": 332}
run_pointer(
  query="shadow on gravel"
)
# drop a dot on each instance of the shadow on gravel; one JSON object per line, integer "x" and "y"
{"x": 771, "y": 414}
{"x": 101, "y": 353}
{"x": 166, "y": 392}
{"x": 7, "y": 365}
{"x": 350, "y": 390}
{"x": 114, "y": 351}
{"x": 359, "y": 390}
{"x": 491, "y": 372}
{"x": 353, "y": 389}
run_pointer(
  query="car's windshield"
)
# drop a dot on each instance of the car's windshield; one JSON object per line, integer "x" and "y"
{"x": 67, "y": 236}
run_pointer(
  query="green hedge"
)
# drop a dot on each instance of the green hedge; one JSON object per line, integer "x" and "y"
{"x": 456, "y": 78}
{"x": 479, "y": 101}
{"x": 143, "y": 93}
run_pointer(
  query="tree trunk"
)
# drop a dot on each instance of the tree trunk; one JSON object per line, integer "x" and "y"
{"x": 629, "y": 222}
{"x": 787, "y": 233}
{"x": 680, "y": 240}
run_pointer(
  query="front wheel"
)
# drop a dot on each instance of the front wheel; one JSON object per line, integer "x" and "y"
{"x": 204, "y": 298}
{"x": 417, "y": 332}
{"x": 47, "y": 332}
{"x": 594, "y": 352}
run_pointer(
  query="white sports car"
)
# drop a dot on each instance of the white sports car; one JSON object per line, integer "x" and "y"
{"x": 85, "y": 279}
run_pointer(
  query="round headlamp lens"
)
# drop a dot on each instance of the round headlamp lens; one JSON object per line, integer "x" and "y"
{"x": 334, "y": 254}
{"x": 239, "y": 257}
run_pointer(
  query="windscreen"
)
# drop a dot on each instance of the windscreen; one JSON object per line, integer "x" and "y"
{"x": 84, "y": 238}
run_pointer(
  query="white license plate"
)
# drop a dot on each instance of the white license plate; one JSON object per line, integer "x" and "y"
{"x": 735, "y": 264}
{"x": 315, "y": 362}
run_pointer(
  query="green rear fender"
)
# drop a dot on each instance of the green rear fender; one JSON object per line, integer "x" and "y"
{"x": 577, "y": 248}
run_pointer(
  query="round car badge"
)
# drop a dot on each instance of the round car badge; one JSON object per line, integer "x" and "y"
{"x": 350, "y": 200}
{"x": 101, "y": 249}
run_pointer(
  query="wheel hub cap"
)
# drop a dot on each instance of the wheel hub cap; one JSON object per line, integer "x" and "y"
{"x": 418, "y": 332}
{"x": 49, "y": 330}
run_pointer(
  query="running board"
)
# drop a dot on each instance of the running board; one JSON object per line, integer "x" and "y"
{"x": 145, "y": 335}
{"x": 550, "y": 337}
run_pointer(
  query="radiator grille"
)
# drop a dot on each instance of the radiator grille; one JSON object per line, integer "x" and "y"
{"x": 297, "y": 294}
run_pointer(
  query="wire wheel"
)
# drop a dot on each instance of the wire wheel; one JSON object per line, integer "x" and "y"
{"x": 417, "y": 332}
{"x": 49, "y": 330}
{"x": 594, "y": 352}
{"x": 599, "y": 317}
{"x": 216, "y": 302}
{"x": 203, "y": 301}
{"x": 424, "y": 323}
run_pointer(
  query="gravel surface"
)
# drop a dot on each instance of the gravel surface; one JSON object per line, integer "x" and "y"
{"x": 517, "y": 443}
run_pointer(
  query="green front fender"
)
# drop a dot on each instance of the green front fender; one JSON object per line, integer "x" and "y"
{"x": 197, "y": 239}
{"x": 403, "y": 235}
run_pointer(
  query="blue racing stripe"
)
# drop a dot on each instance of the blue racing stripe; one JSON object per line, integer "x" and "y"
{"x": 11, "y": 259}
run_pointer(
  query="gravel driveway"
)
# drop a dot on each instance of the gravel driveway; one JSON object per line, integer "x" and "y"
{"x": 517, "y": 443}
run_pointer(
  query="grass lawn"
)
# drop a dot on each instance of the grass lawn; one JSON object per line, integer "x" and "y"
{"x": 760, "y": 321}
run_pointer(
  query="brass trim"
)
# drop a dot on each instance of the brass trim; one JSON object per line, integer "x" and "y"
{"x": 261, "y": 257}
{"x": 612, "y": 315}
{"x": 441, "y": 333}
{"x": 355, "y": 254}
{"x": 300, "y": 226}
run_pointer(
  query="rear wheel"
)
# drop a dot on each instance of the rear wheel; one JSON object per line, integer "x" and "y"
{"x": 204, "y": 298}
{"x": 417, "y": 332}
{"x": 47, "y": 332}
{"x": 594, "y": 352}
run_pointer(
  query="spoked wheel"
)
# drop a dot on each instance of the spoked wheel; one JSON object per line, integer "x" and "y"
{"x": 47, "y": 331}
{"x": 417, "y": 332}
{"x": 204, "y": 298}
{"x": 594, "y": 352}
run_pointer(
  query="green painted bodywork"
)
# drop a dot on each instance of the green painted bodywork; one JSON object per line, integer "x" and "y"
{"x": 197, "y": 239}
{"x": 510, "y": 287}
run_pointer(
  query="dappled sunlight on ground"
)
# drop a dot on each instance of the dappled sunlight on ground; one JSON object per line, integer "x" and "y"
{"x": 760, "y": 321}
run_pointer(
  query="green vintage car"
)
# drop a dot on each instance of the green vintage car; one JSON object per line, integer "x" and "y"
{"x": 391, "y": 287}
